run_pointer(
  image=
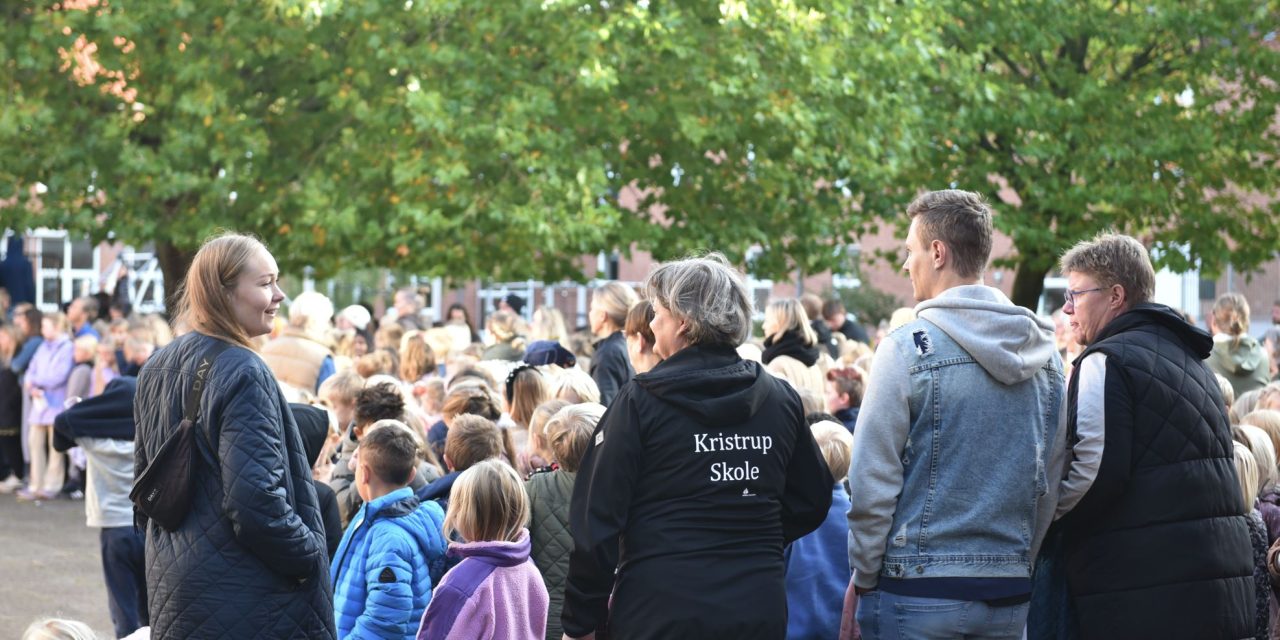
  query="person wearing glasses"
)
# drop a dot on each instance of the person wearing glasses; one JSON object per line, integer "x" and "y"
{"x": 950, "y": 497}
{"x": 1154, "y": 542}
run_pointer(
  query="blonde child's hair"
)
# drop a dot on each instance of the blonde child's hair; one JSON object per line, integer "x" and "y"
{"x": 1228, "y": 391}
{"x": 1247, "y": 472}
{"x": 577, "y": 386}
{"x": 1268, "y": 420}
{"x": 58, "y": 629}
{"x": 488, "y": 503}
{"x": 344, "y": 386}
{"x": 1264, "y": 454}
{"x": 836, "y": 444}
{"x": 86, "y": 345}
{"x": 538, "y": 426}
{"x": 569, "y": 431}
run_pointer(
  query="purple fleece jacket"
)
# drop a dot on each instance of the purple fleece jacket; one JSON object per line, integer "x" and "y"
{"x": 495, "y": 592}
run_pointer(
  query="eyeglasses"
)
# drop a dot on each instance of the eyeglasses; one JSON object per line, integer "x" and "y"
{"x": 1070, "y": 296}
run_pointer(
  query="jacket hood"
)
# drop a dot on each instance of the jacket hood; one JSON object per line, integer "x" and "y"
{"x": 1010, "y": 342}
{"x": 1239, "y": 358}
{"x": 711, "y": 384}
{"x": 495, "y": 552}
{"x": 419, "y": 520}
{"x": 1197, "y": 340}
{"x": 313, "y": 426}
{"x": 14, "y": 249}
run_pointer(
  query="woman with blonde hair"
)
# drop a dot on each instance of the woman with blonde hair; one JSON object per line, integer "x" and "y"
{"x": 610, "y": 366}
{"x": 791, "y": 349}
{"x": 548, "y": 324}
{"x": 508, "y": 344}
{"x": 249, "y": 558}
{"x": 1236, "y": 355}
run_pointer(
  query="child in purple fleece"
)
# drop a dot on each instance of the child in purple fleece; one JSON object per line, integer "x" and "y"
{"x": 496, "y": 591}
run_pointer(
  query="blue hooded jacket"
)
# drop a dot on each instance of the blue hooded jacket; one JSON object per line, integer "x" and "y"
{"x": 390, "y": 558}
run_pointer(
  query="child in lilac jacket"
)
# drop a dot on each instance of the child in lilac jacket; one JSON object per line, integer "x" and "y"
{"x": 496, "y": 591}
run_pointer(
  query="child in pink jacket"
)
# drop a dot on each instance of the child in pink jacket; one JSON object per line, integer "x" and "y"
{"x": 496, "y": 591}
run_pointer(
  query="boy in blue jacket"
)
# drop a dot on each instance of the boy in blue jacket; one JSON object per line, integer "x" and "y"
{"x": 392, "y": 553}
{"x": 818, "y": 564}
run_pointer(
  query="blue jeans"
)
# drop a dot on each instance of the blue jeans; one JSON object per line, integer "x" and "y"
{"x": 888, "y": 616}
{"x": 124, "y": 568}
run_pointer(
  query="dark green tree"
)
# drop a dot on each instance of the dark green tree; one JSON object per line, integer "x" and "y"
{"x": 500, "y": 140}
{"x": 1154, "y": 118}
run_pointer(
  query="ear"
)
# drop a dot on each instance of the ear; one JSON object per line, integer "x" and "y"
{"x": 448, "y": 465}
{"x": 413, "y": 473}
{"x": 1117, "y": 298}
{"x": 938, "y": 254}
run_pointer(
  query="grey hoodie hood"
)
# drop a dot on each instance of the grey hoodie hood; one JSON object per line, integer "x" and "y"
{"x": 1009, "y": 341}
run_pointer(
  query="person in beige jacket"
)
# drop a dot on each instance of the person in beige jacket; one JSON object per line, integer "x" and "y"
{"x": 791, "y": 349}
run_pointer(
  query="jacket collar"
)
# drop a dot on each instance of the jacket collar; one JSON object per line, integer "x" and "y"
{"x": 498, "y": 553}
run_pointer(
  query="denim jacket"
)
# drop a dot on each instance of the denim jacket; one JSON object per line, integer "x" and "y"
{"x": 949, "y": 471}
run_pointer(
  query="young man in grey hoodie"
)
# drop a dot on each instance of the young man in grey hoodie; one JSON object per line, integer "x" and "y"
{"x": 952, "y": 491}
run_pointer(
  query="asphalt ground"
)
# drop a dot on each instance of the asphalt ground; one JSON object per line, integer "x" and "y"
{"x": 49, "y": 566}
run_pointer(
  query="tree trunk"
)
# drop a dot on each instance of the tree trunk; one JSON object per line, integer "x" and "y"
{"x": 1028, "y": 284}
{"x": 174, "y": 263}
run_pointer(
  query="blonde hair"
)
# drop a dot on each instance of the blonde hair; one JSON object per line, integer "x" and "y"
{"x": 1231, "y": 316}
{"x": 344, "y": 385}
{"x": 204, "y": 303}
{"x": 615, "y": 299}
{"x": 58, "y": 629}
{"x": 58, "y": 319}
{"x": 789, "y": 315}
{"x": 548, "y": 324}
{"x": 1247, "y": 472}
{"x": 504, "y": 326}
{"x": 1264, "y": 453}
{"x": 836, "y": 444}
{"x": 538, "y": 425}
{"x": 488, "y": 503}
{"x": 569, "y": 432}
{"x": 86, "y": 344}
{"x": 1269, "y": 421}
{"x": 1267, "y": 395}
{"x": 1228, "y": 391}
{"x": 580, "y": 384}
{"x": 312, "y": 312}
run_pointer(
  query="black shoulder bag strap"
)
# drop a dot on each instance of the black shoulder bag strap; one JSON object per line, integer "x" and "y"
{"x": 191, "y": 404}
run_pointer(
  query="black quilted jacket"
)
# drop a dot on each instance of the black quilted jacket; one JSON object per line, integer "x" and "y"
{"x": 249, "y": 561}
{"x": 1159, "y": 546}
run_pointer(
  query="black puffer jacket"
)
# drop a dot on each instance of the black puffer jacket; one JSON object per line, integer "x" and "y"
{"x": 249, "y": 561}
{"x": 696, "y": 477}
{"x": 1159, "y": 545}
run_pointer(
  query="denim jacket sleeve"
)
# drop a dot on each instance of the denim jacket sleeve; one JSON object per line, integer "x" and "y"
{"x": 875, "y": 470}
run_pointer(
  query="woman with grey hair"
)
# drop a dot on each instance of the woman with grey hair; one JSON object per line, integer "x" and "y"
{"x": 697, "y": 477}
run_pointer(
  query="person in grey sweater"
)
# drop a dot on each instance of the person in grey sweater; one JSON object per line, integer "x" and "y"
{"x": 103, "y": 428}
{"x": 951, "y": 488}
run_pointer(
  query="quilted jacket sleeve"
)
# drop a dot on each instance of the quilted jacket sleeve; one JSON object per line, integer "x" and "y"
{"x": 252, "y": 452}
{"x": 388, "y": 608}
